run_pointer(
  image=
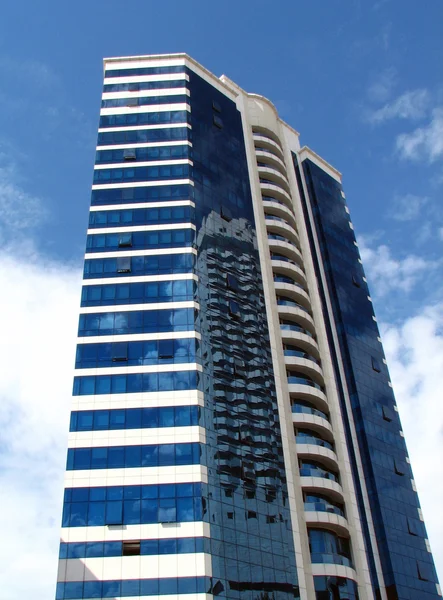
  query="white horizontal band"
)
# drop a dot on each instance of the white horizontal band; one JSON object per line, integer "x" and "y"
{"x": 156, "y": 92}
{"x": 131, "y": 228}
{"x": 137, "y": 437}
{"x": 142, "y": 78}
{"x": 139, "y": 369}
{"x": 139, "y": 127}
{"x": 140, "y": 279}
{"x": 130, "y": 307}
{"x": 148, "y": 163}
{"x": 137, "y": 476}
{"x": 166, "y": 204}
{"x": 140, "y": 337}
{"x": 153, "y": 252}
{"x": 151, "y": 531}
{"x": 147, "y": 108}
{"x": 160, "y": 182}
{"x": 138, "y": 400}
{"x": 145, "y": 145}
{"x": 135, "y": 567}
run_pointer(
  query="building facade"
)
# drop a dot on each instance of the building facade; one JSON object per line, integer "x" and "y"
{"x": 234, "y": 431}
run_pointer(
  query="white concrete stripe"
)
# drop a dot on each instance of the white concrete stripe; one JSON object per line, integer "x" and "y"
{"x": 138, "y": 400}
{"x": 147, "y": 108}
{"x": 166, "y": 204}
{"x": 136, "y": 476}
{"x": 151, "y": 531}
{"x": 160, "y": 182}
{"x": 173, "y": 91}
{"x": 144, "y": 78}
{"x": 162, "y": 597}
{"x": 141, "y": 279}
{"x": 153, "y": 252}
{"x": 137, "y": 437}
{"x": 135, "y": 567}
{"x": 146, "y": 145}
{"x": 125, "y": 370}
{"x": 140, "y": 337}
{"x": 141, "y": 62}
{"x": 139, "y": 127}
{"x": 149, "y": 163}
{"x": 129, "y": 307}
{"x": 131, "y": 228}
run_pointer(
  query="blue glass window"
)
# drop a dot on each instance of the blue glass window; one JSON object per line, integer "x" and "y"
{"x": 141, "y": 216}
{"x": 162, "y": 264}
{"x": 138, "y": 293}
{"x": 140, "y": 240}
{"x": 146, "y": 382}
{"x": 137, "y": 72}
{"x": 141, "y": 194}
{"x": 140, "y": 136}
{"x": 142, "y": 154}
{"x": 144, "y": 100}
{"x": 144, "y": 85}
{"x": 148, "y": 118}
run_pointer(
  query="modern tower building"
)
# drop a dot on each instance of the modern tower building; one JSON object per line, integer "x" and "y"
{"x": 234, "y": 431}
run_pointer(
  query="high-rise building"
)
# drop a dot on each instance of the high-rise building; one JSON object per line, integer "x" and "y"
{"x": 234, "y": 431}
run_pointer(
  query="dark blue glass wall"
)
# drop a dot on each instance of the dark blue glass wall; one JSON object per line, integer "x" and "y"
{"x": 247, "y": 504}
{"x": 408, "y": 569}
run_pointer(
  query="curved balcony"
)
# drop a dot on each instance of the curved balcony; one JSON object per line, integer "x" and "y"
{"x": 279, "y": 209}
{"x": 312, "y": 482}
{"x": 277, "y": 226}
{"x": 274, "y": 189}
{"x": 264, "y": 141}
{"x": 268, "y": 157}
{"x": 291, "y": 290}
{"x": 305, "y": 410}
{"x": 293, "y": 333}
{"x": 308, "y": 367}
{"x": 314, "y": 422}
{"x": 286, "y": 249}
{"x": 333, "y": 570}
{"x": 312, "y": 436}
{"x": 288, "y": 309}
{"x": 329, "y": 548}
{"x": 284, "y": 266}
{"x": 326, "y": 519}
{"x": 273, "y": 176}
{"x": 318, "y": 453}
{"x": 303, "y": 389}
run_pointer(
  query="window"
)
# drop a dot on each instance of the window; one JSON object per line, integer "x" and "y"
{"x": 225, "y": 213}
{"x": 424, "y": 571}
{"x": 132, "y": 102}
{"x": 375, "y": 364}
{"x": 217, "y": 121}
{"x": 133, "y": 87}
{"x": 125, "y": 240}
{"x": 234, "y": 308}
{"x": 387, "y": 413}
{"x": 216, "y": 106}
{"x": 232, "y": 282}
{"x": 124, "y": 264}
{"x": 166, "y": 349}
{"x": 129, "y": 154}
{"x": 413, "y": 527}
{"x": 131, "y": 548}
{"x": 355, "y": 281}
{"x": 399, "y": 466}
{"x": 120, "y": 352}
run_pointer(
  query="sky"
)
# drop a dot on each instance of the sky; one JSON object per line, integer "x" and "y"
{"x": 360, "y": 80}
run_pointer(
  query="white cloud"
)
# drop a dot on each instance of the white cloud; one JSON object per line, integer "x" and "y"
{"x": 408, "y": 207}
{"x": 414, "y": 351}
{"x": 424, "y": 143}
{"x": 410, "y": 105}
{"x": 381, "y": 88}
{"x": 440, "y": 233}
{"x": 38, "y": 317}
{"x": 388, "y": 273}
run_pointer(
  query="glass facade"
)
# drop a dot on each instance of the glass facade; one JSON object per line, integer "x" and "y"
{"x": 206, "y": 456}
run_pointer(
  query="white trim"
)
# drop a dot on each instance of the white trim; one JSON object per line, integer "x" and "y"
{"x": 137, "y": 437}
{"x": 143, "y": 127}
{"x": 137, "y": 476}
{"x": 151, "y": 531}
{"x": 145, "y": 145}
{"x": 160, "y": 182}
{"x": 162, "y": 597}
{"x": 125, "y": 62}
{"x": 155, "y": 252}
{"x": 146, "y": 108}
{"x": 135, "y": 567}
{"x": 141, "y": 279}
{"x": 174, "y": 91}
{"x": 138, "y": 369}
{"x": 167, "y": 203}
{"x": 149, "y": 163}
{"x": 145, "y": 78}
{"x": 139, "y": 400}
{"x": 140, "y": 337}
{"x": 133, "y": 228}
{"x": 85, "y": 310}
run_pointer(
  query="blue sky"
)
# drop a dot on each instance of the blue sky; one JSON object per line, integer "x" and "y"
{"x": 361, "y": 81}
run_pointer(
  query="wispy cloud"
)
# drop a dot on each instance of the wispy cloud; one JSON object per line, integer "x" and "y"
{"x": 424, "y": 143}
{"x": 411, "y": 105}
{"x": 414, "y": 351}
{"x": 381, "y": 88}
{"x": 389, "y": 274}
{"x": 408, "y": 207}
